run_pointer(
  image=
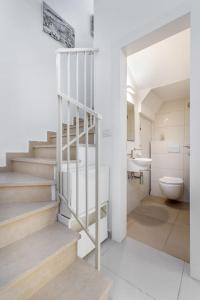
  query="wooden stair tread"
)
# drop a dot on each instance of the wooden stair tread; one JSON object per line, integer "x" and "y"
{"x": 78, "y": 282}
{"x": 38, "y": 160}
{"x": 19, "y": 179}
{"x": 71, "y": 134}
{"x": 35, "y": 160}
{"x": 10, "y": 212}
{"x": 24, "y": 255}
{"x": 54, "y": 145}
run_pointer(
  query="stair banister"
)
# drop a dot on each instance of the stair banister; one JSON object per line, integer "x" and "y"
{"x": 92, "y": 120}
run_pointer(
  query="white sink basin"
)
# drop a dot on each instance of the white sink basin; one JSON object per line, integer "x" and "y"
{"x": 138, "y": 164}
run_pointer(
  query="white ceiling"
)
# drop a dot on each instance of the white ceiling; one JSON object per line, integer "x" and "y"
{"x": 163, "y": 63}
{"x": 177, "y": 90}
{"x": 156, "y": 97}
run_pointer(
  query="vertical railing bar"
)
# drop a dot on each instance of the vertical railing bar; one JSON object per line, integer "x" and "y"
{"x": 85, "y": 81}
{"x": 86, "y": 140}
{"x": 60, "y": 139}
{"x": 77, "y": 136}
{"x": 91, "y": 85}
{"x": 97, "y": 196}
{"x": 89, "y": 119}
{"x": 68, "y": 126}
{"x": 92, "y": 88}
{"x": 59, "y": 129}
{"x": 86, "y": 172}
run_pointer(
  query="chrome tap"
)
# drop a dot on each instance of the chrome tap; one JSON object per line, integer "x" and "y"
{"x": 133, "y": 150}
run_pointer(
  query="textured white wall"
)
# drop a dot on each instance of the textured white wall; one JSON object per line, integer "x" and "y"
{"x": 28, "y": 102}
{"x": 171, "y": 127}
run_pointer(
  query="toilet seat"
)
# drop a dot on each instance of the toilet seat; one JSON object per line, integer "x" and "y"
{"x": 171, "y": 187}
{"x": 171, "y": 180}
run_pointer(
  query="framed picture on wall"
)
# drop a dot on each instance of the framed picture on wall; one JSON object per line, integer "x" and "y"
{"x": 57, "y": 28}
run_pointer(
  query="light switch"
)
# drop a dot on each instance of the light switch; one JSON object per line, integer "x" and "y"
{"x": 174, "y": 148}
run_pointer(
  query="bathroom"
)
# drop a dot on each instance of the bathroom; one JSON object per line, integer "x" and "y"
{"x": 158, "y": 145}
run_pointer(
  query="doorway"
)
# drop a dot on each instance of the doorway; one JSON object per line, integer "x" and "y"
{"x": 159, "y": 219}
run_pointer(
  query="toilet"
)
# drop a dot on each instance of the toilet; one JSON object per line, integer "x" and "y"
{"x": 171, "y": 187}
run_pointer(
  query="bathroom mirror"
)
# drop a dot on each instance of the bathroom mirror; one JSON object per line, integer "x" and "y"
{"x": 130, "y": 122}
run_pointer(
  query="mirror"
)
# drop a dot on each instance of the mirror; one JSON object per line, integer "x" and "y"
{"x": 130, "y": 122}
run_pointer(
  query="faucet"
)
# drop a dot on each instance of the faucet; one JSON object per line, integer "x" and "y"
{"x": 133, "y": 150}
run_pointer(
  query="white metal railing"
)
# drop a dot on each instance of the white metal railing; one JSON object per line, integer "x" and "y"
{"x": 76, "y": 66}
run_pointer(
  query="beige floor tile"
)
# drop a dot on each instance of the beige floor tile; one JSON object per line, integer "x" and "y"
{"x": 183, "y": 217}
{"x": 148, "y": 230}
{"x": 129, "y": 219}
{"x": 158, "y": 211}
{"x": 153, "y": 199}
{"x": 178, "y": 242}
{"x": 163, "y": 201}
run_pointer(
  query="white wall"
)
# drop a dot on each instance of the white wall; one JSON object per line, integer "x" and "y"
{"x": 170, "y": 128}
{"x": 170, "y": 121}
{"x": 28, "y": 102}
{"x": 137, "y": 191}
{"x": 150, "y": 105}
{"x": 117, "y": 24}
{"x": 146, "y": 136}
{"x": 159, "y": 64}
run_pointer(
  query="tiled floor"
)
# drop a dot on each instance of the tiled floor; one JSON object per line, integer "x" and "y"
{"x": 140, "y": 272}
{"x": 163, "y": 225}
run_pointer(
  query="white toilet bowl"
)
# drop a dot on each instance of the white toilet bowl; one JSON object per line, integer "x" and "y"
{"x": 171, "y": 187}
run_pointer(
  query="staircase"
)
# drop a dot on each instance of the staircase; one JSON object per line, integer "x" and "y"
{"x": 38, "y": 255}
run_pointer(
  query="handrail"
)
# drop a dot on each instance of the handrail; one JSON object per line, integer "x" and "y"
{"x": 76, "y": 50}
{"x": 75, "y": 139}
{"x": 80, "y": 105}
{"x": 92, "y": 120}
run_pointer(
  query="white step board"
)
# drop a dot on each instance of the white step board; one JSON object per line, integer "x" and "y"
{"x": 91, "y": 154}
{"x": 103, "y": 188}
{"x": 85, "y": 246}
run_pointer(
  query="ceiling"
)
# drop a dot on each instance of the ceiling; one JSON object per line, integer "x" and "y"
{"x": 163, "y": 63}
{"x": 177, "y": 90}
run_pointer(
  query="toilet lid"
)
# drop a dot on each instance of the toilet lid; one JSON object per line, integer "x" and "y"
{"x": 171, "y": 180}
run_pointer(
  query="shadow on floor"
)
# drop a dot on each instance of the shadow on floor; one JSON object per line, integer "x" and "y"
{"x": 162, "y": 224}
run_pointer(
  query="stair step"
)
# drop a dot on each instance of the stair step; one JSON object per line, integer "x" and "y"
{"x": 81, "y": 121}
{"x": 52, "y": 138}
{"x": 34, "y": 166}
{"x": 18, "y": 220}
{"x": 54, "y": 146}
{"x": 35, "y": 160}
{"x": 11, "y": 179}
{"x": 18, "y": 187}
{"x": 79, "y": 282}
{"x": 72, "y": 135}
{"x": 27, "y": 265}
{"x": 49, "y": 151}
{"x": 15, "y": 211}
{"x": 72, "y": 131}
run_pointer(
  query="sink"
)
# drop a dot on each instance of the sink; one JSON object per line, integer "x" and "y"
{"x": 138, "y": 164}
